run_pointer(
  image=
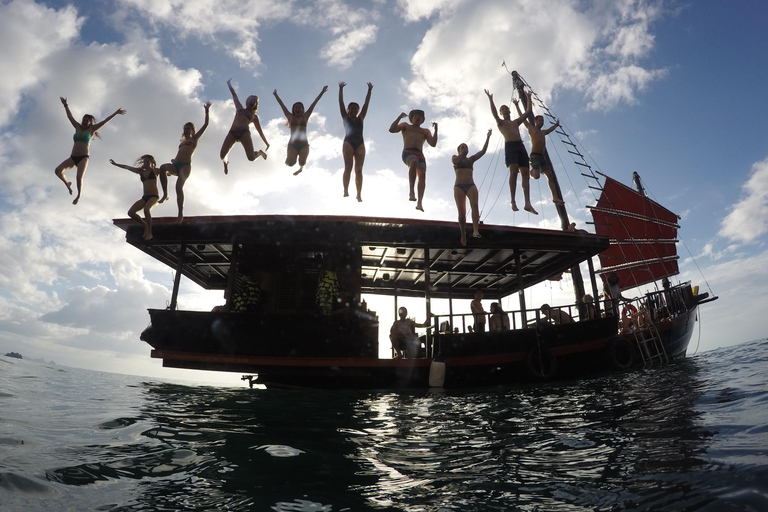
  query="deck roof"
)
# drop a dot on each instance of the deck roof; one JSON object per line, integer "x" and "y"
{"x": 398, "y": 255}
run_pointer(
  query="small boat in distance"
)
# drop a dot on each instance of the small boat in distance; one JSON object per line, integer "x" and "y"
{"x": 277, "y": 324}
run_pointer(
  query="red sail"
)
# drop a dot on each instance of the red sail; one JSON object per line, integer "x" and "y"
{"x": 643, "y": 235}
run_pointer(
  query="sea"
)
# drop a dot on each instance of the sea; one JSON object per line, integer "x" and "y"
{"x": 688, "y": 436}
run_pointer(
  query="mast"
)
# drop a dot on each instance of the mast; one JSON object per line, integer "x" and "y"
{"x": 578, "y": 281}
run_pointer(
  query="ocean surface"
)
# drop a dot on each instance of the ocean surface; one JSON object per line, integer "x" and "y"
{"x": 691, "y": 436}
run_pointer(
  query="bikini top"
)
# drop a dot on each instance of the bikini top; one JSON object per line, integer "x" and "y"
{"x": 464, "y": 164}
{"x": 188, "y": 142}
{"x": 245, "y": 112}
{"x": 152, "y": 176}
{"x": 82, "y": 137}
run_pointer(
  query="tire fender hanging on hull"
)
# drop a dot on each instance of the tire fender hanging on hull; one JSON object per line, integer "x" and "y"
{"x": 620, "y": 353}
{"x": 541, "y": 363}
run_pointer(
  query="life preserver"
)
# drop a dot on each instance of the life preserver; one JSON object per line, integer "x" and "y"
{"x": 620, "y": 353}
{"x": 541, "y": 363}
{"x": 629, "y": 311}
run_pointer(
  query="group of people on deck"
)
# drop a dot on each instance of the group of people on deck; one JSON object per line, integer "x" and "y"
{"x": 353, "y": 151}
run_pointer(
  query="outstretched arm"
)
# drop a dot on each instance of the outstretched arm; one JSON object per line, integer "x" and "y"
{"x": 432, "y": 138}
{"x": 485, "y": 147}
{"x": 312, "y": 106}
{"x": 552, "y": 128}
{"x": 238, "y": 105}
{"x": 69, "y": 114}
{"x": 522, "y": 116}
{"x": 98, "y": 126}
{"x": 258, "y": 129}
{"x": 367, "y": 101}
{"x": 200, "y": 132}
{"x": 396, "y": 126}
{"x": 126, "y": 167}
{"x": 493, "y": 106}
{"x": 341, "y": 100}
{"x": 282, "y": 106}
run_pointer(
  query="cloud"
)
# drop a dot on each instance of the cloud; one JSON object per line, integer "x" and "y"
{"x": 342, "y": 51}
{"x": 748, "y": 219}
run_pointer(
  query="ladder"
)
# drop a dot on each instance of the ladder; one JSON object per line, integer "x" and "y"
{"x": 649, "y": 345}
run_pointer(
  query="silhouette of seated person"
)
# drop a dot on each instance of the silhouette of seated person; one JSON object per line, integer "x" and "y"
{"x": 402, "y": 334}
{"x": 589, "y": 306}
{"x": 555, "y": 315}
{"x": 499, "y": 320}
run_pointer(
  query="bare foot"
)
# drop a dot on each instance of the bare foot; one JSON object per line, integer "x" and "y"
{"x": 530, "y": 209}
{"x": 514, "y": 207}
{"x": 180, "y": 218}
{"x": 463, "y": 238}
{"x": 359, "y": 199}
{"x": 69, "y": 187}
{"x": 411, "y": 197}
{"x": 298, "y": 172}
{"x": 263, "y": 154}
{"x": 148, "y": 237}
{"x": 346, "y": 194}
{"x": 226, "y": 167}
{"x": 476, "y": 235}
{"x": 558, "y": 201}
{"x": 419, "y": 207}
{"x": 77, "y": 199}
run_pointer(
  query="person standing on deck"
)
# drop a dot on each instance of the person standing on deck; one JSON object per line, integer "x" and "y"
{"x": 413, "y": 143}
{"x": 402, "y": 334}
{"x": 515, "y": 154}
{"x": 353, "y": 148}
{"x": 478, "y": 312}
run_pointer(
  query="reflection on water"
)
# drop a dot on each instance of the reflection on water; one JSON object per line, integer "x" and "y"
{"x": 632, "y": 441}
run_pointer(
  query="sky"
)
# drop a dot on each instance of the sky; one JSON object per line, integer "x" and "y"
{"x": 641, "y": 85}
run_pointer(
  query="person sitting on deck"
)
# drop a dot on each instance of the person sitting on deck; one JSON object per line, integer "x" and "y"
{"x": 499, "y": 319}
{"x": 402, "y": 334}
{"x": 590, "y": 307}
{"x": 557, "y": 315}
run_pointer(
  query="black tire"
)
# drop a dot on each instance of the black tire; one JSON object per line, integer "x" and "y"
{"x": 541, "y": 363}
{"x": 620, "y": 353}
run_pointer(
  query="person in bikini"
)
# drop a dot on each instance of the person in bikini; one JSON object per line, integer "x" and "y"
{"x": 146, "y": 168}
{"x": 353, "y": 147}
{"x": 84, "y": 132}
{"x": 540, "y": 162}
{"x": 240, "y": 132}
{"x": 465, "y": 188}
{"x": 181, "y": 165}
{"x": 515, "y": 154}
{"x": 413, "y": 142}
{"x": 298, "y": 145}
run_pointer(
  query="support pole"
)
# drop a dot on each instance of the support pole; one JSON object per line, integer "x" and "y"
{"x": 177, "y": 277}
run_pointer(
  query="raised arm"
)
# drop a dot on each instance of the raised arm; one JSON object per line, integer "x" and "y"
{"x": 367, "y": 101}
{"x": 98, "y": 126}
{"x": 493, "y": 106}
{"x": 238, "y": 105}
{"x": 200, "y": 132}
{"x": 396, "y": 126}
{"x": 432, "y": 138}
{"x": 341, "y": 100}
{"x": 312, "y": 106}
{"x": 552, "y": 128}
{"x": 69, "y": 114}
{"x": 480, "y": 153}
{"x": 282, "y": 105}
{"x": 524, "y": 115}
{"x": 126, "y": 167}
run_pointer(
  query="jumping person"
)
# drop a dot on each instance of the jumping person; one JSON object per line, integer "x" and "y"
{"x": 298, "y": 145}
{"x": 84, "y": 132}
{"x": 413, "y": 143}
{"x": 540, "y": 162}
{"x": 240, "y": 132}
{"x": 515, "y": 154}
{"x": 465, "y": 188}
{"x": 353, "y": 147}
{"x": 148, "y": 172}
{"x": 181, "y": 165}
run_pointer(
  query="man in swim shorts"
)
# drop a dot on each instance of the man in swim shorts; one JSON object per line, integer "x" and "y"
{"x": 515, "y": 155}
{"x": 540, "y": 162}
{"x": 413, "y": 142}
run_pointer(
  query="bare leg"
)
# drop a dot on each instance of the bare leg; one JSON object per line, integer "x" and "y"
{"x": 513, "y": 171}
{"x": 132, "y": 213}
{"x": 148, "y": 217}
{"x": 303, "y": 154}
{"x": 291, "y": 157}
{"x": 526, "y": 184}
{"x": 412, "y": 179}
{"x": 226, "y": 147}
{"x": 422, "y": 175}
{"x": 461, "y": 205}
{"x": 349, "y": 154}
{"x": 359, "y": 161}
{"x": 472, "y": 194}
{"x": 551, "y": 183}
{"x": 79, "y": 179}
{"x": 59, "y": 171}
{"x": 182, "y": 179}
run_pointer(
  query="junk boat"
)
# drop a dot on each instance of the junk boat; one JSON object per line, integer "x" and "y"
{"x": 295, "y": 288}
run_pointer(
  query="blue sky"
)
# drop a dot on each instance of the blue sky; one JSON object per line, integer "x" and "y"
{"x": 646, "y": 86}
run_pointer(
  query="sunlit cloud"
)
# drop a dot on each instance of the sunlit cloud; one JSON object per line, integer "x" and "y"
{"x": 748, "y": 219}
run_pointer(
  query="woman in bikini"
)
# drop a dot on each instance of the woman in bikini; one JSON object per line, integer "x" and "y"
{"x": 146, "y": 168}
{"x": 84, "y": 132}
{"x": 353, "y": 147}
{"x": 465, "y": 187}
{"x": 298, "y": 145}
{"x": 239, "y": 131}
{"x": 181, "y": 165}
